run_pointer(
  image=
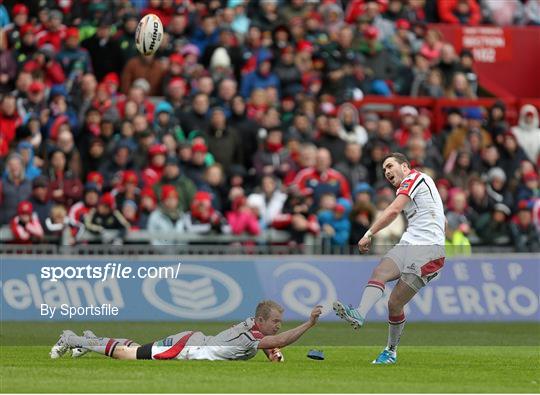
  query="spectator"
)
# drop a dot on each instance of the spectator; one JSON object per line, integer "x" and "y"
{"x": 457, "y": 139}
{"x": 456, "y": 243}
{"x": 104, "y": 217}
{"x": 105, "y": 52}
{"x": 351, "y": 167}
{"x": 184, "y": 187}
{"x": 493, "y": 228}
{"x": 322, "y": 178}
{"x": 9, "y": 119}
{"x": 148, "y": 68}
{"x": 80, "y": 209}
{"x": 496, "y": 123}
{"x": 527, "y": 132}
{"x": 532, "y": 12}
{"x": 74, "y": 60}
{"x": 15, "y": 188}
{"x": 512, "y": 155}
{"x": 448, "y": 64}
{"x": 460, "y": 87}
{"x": 40, "y": 198}
{"x": 529, "y": 188}
{"x": 25, "y": 226}
{"x": 503, "y": 13}
{"x": 223, "y": 142}
{"x": 262, "y": 77}
{"x": 296, "y": 218}
{"x": 202, "y": 218}
{"x": 351, "y": 130}
{"x": 147, "y": 206}
{"x": 54, "y": 33}
{"x": 8, "y": 66}
{"x": 273, "y": 157}
{"x": 524, "y": 235}
{"x": 58, "y": 225}
{"x": 459, "y": 12}
{"x": 329, "y": 138}
{"x": 196, "y": 119}
{"x": 335, "y": 225}
{"x": 391, "y": 234}
{"x": 361, "y": 217}
{"x": 288, "y": 73}
{"x": 269, "y": 202}
{"x": 242, "y": 219}
{"x": 496, "y": 187}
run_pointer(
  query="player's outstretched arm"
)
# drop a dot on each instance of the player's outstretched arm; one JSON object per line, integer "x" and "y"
{"x": 292, "y": 335}
{"x": 387, "y": 217}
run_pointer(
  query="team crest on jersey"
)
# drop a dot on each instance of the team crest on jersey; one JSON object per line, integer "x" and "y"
{"x": 405, "y": 185}
{"x": 167, "y": 342}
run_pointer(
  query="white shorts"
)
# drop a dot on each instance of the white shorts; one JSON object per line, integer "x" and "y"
{"x": 423, "y": 261}
{"x": 176, "y": 346}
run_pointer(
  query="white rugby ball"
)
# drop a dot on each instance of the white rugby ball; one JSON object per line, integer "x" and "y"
{"x": 149, "y": 34}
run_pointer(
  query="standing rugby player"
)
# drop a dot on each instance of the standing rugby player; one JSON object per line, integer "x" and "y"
{"x": 414, "y": 261}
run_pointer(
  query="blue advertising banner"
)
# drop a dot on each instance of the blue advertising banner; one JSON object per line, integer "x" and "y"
{"x": 228, "y": 288}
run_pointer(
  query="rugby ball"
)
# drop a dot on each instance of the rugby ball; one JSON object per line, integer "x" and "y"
{"x": 149, "y": 34}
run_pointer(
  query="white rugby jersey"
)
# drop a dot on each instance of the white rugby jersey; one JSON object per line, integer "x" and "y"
{"x": 238, "y": 342}
{"x": 424, "y": 212}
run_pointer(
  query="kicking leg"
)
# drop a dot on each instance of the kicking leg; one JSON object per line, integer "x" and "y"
{"x": 385, "y": 271}
{"x": 79, "y": 352}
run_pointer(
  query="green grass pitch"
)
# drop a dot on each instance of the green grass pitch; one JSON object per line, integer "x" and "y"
{"x": 433, "y": 357}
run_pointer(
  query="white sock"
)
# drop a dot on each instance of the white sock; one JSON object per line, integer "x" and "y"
{"x": 395, "y": 328}
{"x": 372, "y": 293}
{"x": 101, "y": 345}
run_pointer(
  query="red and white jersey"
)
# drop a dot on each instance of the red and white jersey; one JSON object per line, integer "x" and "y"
{"x": 241, "y": 341}
{"x": 424, "y": 212}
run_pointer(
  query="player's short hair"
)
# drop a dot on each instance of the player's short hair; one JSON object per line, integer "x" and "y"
{"x": 265, "y": 307}
{"x": 399, "y": 157}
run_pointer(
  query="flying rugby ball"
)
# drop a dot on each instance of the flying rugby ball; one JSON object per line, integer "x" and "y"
{"x": 149, "y": 34}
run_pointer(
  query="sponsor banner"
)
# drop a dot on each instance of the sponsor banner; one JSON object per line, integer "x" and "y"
{"x": 228, "y": 288}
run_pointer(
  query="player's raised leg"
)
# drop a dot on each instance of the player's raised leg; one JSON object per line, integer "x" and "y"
{"x": 385, "y": 271}
{"x": 400, "y": 296}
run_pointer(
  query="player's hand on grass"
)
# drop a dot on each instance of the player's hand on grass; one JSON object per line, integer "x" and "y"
{"x": 364, "y": 244}
{"x": 315, "y": 314}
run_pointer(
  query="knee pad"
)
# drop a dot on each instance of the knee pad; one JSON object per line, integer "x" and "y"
{"x": 413, "y": 281}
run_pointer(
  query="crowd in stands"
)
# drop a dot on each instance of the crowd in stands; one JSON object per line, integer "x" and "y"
{"x": 244, "y": 120}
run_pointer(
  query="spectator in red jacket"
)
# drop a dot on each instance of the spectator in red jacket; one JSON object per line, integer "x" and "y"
{"x": 25, "y": 226}
{"x": 459, "y": 12}
{"x": 9, "y": 119}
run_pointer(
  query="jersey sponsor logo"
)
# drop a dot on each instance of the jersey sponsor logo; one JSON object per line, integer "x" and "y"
{"x": 202, "y": 293}
{"x": 304, "y": 287}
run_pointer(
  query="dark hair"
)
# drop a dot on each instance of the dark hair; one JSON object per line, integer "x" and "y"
{"x": 399, "y": 157}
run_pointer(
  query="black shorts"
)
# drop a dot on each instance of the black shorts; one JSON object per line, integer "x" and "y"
{"x": 145, "y": 351}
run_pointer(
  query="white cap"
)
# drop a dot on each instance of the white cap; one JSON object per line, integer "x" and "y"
{"x": 408, "y": 110}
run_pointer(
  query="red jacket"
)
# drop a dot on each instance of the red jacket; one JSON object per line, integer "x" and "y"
{"x": 446, "y": 12}
{"x": 26, "y": 233}
{"x": 8, "y": 125}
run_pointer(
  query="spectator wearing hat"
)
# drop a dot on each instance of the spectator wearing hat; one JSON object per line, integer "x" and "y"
{"x": 124, "y": 37}
{"x": 185, "y": 188}
{"x": 241, "y": 218}
{"x": 335, "y": 224}
{"x": 529, "y": 187}
{"x": 34, "y": 104}
{"x": 26, "y": 44}
{"x": 74, "y": 60}
{"x": 525, "y": 236}
{"x": 19, "y": 13}
{"x": 202, "y": 218}
{"x": 127, "y": 188}
{"x": 157, "y": 158}
{"x": 165, "y": 122}
{"x": 223, "y": 142}
{"x": 54, "y": 32}
{"x": 25, "y": 226}
{"x": 456, "y": 243}
{"x": 527, "y": 132}
{"x": 14, "y": 187}
{"x": 105, "y": 216}
{"x": 288, "y": 73}
{"x": 104, "y": 51}
{"x": 497, "y": 187}
{"x": 493, "y": 228}
{"x": 40, "y": 198}
{"x": 167, "y": 219}
{"x": 197, "y": 166}
{"x": 147, "y": 205}
{"x": 262, "y": 77}
{"x": 225, "y": 57}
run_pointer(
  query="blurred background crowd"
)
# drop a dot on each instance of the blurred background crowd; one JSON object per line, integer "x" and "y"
{"x": 245, "y": 121}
